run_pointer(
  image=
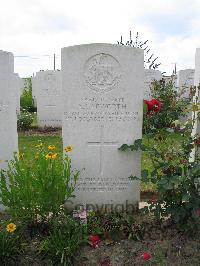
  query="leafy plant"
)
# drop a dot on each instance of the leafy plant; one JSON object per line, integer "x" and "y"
{"x": 35, "y": 191}
{"x": 65, "y": 238}
{"x": 175, "y": 176}
{"x": 10, "y": 245}
{"x": 173, "y": 106}
{"x": 24, "y": 120}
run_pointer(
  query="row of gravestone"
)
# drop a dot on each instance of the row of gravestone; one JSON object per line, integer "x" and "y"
{"x": 102, "y": 108}
{"x": 47, "y": 90}
{"x": 47, "y": 94}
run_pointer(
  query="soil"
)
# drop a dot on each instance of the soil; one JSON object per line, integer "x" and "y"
{"x": 46, "y": 131}
{"x": 168, "y": 247}
{"x": 165, "y": 244}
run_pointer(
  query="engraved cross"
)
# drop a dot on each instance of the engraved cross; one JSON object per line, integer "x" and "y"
{"x": 102, "y": 144}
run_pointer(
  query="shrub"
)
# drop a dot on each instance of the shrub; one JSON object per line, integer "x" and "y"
{"x": 35, "y": 191}
{"x": 65, "y": 238}
{"x": 176, "y": 179}
{"x": 174, "y": 174}
{"x": 173, "y": 106}
{"x": 10, "y": 245}
{"x": 24, "y": 120}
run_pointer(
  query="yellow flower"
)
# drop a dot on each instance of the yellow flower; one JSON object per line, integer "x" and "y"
{"x": 51, "y": 147}
{"x": 11, "y": 227}
{"x": 68, "y": 148}
{"x": 51, "y": 155}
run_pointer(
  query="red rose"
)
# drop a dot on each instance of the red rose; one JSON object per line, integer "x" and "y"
{"x": 153, "y": 106}
{"x": 149, "y": 106}
{"x": 156, "y": 105}
{"x": 197, "y": 141}
{"x": 146, "y": 256}
{"x": 94, "y": 240}
{"x": 154, "y": 199}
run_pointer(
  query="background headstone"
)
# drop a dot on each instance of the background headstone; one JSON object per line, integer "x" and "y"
{"x": 185, "y": 79}
{"x": 8, "y": 118}
{"x": 150, "y": 75}
{"x": 34, "y": 81}
{"x": 16, "y": 89}
{"x": 103, "y": 104}
{"x": 197, "y": 96}
{"x": 46, "y": 89}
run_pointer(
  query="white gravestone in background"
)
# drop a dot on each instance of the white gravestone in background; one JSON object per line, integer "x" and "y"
{"x": 8, "y": 119}
{"x": 48, "y": 98}
{"x": 16, "y": 89}
{"x": 196, "y": 129}
{"x": 103, "y": 103}
{"x": 34, "y": 81}
{"x": 185, "y": 79}
{"x": 150, "y": 75}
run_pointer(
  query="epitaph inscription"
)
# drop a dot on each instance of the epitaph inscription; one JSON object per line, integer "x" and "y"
{"x": 102, "y": 73}
{"x": 101, "y": 109}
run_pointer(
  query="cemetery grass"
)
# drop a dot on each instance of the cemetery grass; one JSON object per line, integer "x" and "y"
{"x": 29, "y": 139}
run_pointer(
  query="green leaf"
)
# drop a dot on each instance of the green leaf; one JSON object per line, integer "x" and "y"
{"x": 144, "y": 173}
{"x": 186, "y": 197}
{"x": 134, "y": 177}
{"x": 123, "y": 147}
{"x": 138, "y": 143}
{"x": 133, "y": 148}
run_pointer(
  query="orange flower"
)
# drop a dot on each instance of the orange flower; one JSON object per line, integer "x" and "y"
{"x": 51, "y": 155}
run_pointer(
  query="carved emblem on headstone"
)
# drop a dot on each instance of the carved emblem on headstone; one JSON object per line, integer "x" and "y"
{"x": 102, "y": 73}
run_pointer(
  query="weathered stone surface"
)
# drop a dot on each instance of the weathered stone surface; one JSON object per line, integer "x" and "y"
{"x": 103, "y": 103}
{"x": 197, "y": 96}
{"x": 185, "y": 79}
{"x": 47, "y": 92}
{"x": 16, "y": 90}
{"x": 150, "y": 75}
{"x": 8, "y": 119}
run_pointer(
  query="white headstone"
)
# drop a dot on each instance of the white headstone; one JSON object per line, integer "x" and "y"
{"x": 185, "y": 79}
{"x": 8, "y": 118}
{"x": 103, "y": 104}
{"x": 16, "y": 89}
{"x": 46, "y": 88}
{"x": 150, "y": 75}
{"x": 197, "y": 96}
{"x": 34, "y": 81}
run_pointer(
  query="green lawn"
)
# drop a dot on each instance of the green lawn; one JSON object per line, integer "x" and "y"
{"x": 27, "y": 144}
{"x": 27, "y": 147}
